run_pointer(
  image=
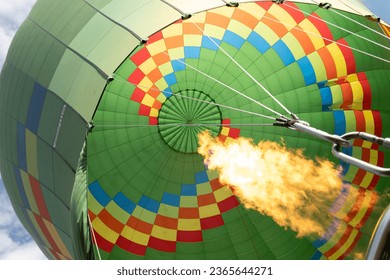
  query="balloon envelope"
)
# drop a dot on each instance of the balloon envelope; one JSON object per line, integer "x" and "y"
{"x": 92, "y": 93}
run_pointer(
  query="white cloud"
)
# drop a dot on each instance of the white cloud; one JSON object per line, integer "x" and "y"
{"x": 12, "y": 14}
{"x": 16, "y": 243}
{"x": 27, "y": 251}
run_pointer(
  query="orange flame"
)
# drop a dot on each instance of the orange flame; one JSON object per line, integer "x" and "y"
{"x": 281, "y": 183}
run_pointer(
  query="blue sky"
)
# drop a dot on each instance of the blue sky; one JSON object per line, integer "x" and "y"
{"x": 15, "y": 242}
{"x": 380, "y": 7}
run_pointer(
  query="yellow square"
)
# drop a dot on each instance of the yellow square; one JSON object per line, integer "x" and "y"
{"x": 161, "y": 98}
{"x": 176, "y": 53}
{"x": 318, "y": 65}
{"x": 144, "y": 214}
{"x": 117, "y": 212}
{"x": 164, "y": 233}
{"x": 145, "y": 84}
{"x": 28, "y": 190}
{"x": 31, "y": 153}
{"x": 153, "y": 112}
{"x": 198, "y": 18}
{"x": 214, "y": 31}
{"x": 350, "y": 120}
{"x": 212, "y": 174}
{"x": 313, "y": 33}
{"x": 135, "y": 236}
{"x": 189, "y": 224}
{"x": 209, "y": 210}
{"x": 57, "y": 239}
{"x": 267, "y": 33}
{"x": 188, "y": 201}
{"x": 148, "y": 100}
{"x": 224, "y": 11}
{"x": 203, "y": 188}
{"x": 157, "y": 47}
{"x": 346, "y": 245}
{"x": 294, "y": 46}
{"x": 161, "y": 84}
{"x": 166, "y": 68}
{"x": 351, "y": 174}
{"x": 239, "y": 28}
{"x": 283, "y": 16}
{"x": 352, "y": 78}
{"x": 358, "y": 95}
{"x": 193, "y": 40}
{"x": 173, "y": 30}
{"x": 168, "y": 211}
{"x": 104, "y": 231}
{"x": 229, "y": 140}
{"x": 148, "y": 66}
{"x": 222, "y": 194}
{"x": 253, "y": 9}
{"x": 338, "y": 57}
{"x": 365, "y": 184}
{"x": 225, "y": 131}
{"x": 93, "y": 205}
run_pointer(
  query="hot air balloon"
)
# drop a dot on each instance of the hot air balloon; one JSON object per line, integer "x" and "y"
{"x": 101, "y": 103}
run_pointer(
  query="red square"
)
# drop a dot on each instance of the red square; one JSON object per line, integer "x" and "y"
{"x": 222, "y": 138}
{"x": 136, "y": 76}
{"x": 292, "y": 9}
{"x": 144, "y": 110}
{"x": 189, "y": 213}
{"x": 139, "y": 225}
{"x": 110, "y": 221}
{"x": 211, "y": 222}
{"x": 206, "y": 199}
{"x": 138, "y": 95}
{"x": 215, "y": 184}
{"x": 166, "y": 222}
{"x": 162, "y": 245}
{"x": 140, "y": 56}
{"x": 155, "y": 37}
{"x": 226, "y": 122}
{"x": 130, "y": 246}
{"x": 234, "y": 133}
{"x": 102, "y": 243}
{"x": 153, "y": 121}
{"x": 228, "y": 204}
{"x": 189, "y": 236}
{"x": 322, "y": 27}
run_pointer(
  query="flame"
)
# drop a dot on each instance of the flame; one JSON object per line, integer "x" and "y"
{"x": 281, "y": 183}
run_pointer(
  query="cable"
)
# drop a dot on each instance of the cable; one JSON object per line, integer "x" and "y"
{"x": 245, "y": 71}
{"x": 341, "y": 28}
{"x": 329, "y": 40}
{"x": 217, "y": 81}
{"x": 181, "y": 125}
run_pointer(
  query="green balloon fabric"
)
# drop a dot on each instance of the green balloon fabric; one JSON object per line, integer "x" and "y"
{"x": 134, "y": 84}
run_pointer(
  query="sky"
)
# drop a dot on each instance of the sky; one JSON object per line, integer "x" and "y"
{"x": 15, "y": 242}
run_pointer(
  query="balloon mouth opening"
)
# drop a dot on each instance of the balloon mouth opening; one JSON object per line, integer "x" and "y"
{"x": 184, "y": 115}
